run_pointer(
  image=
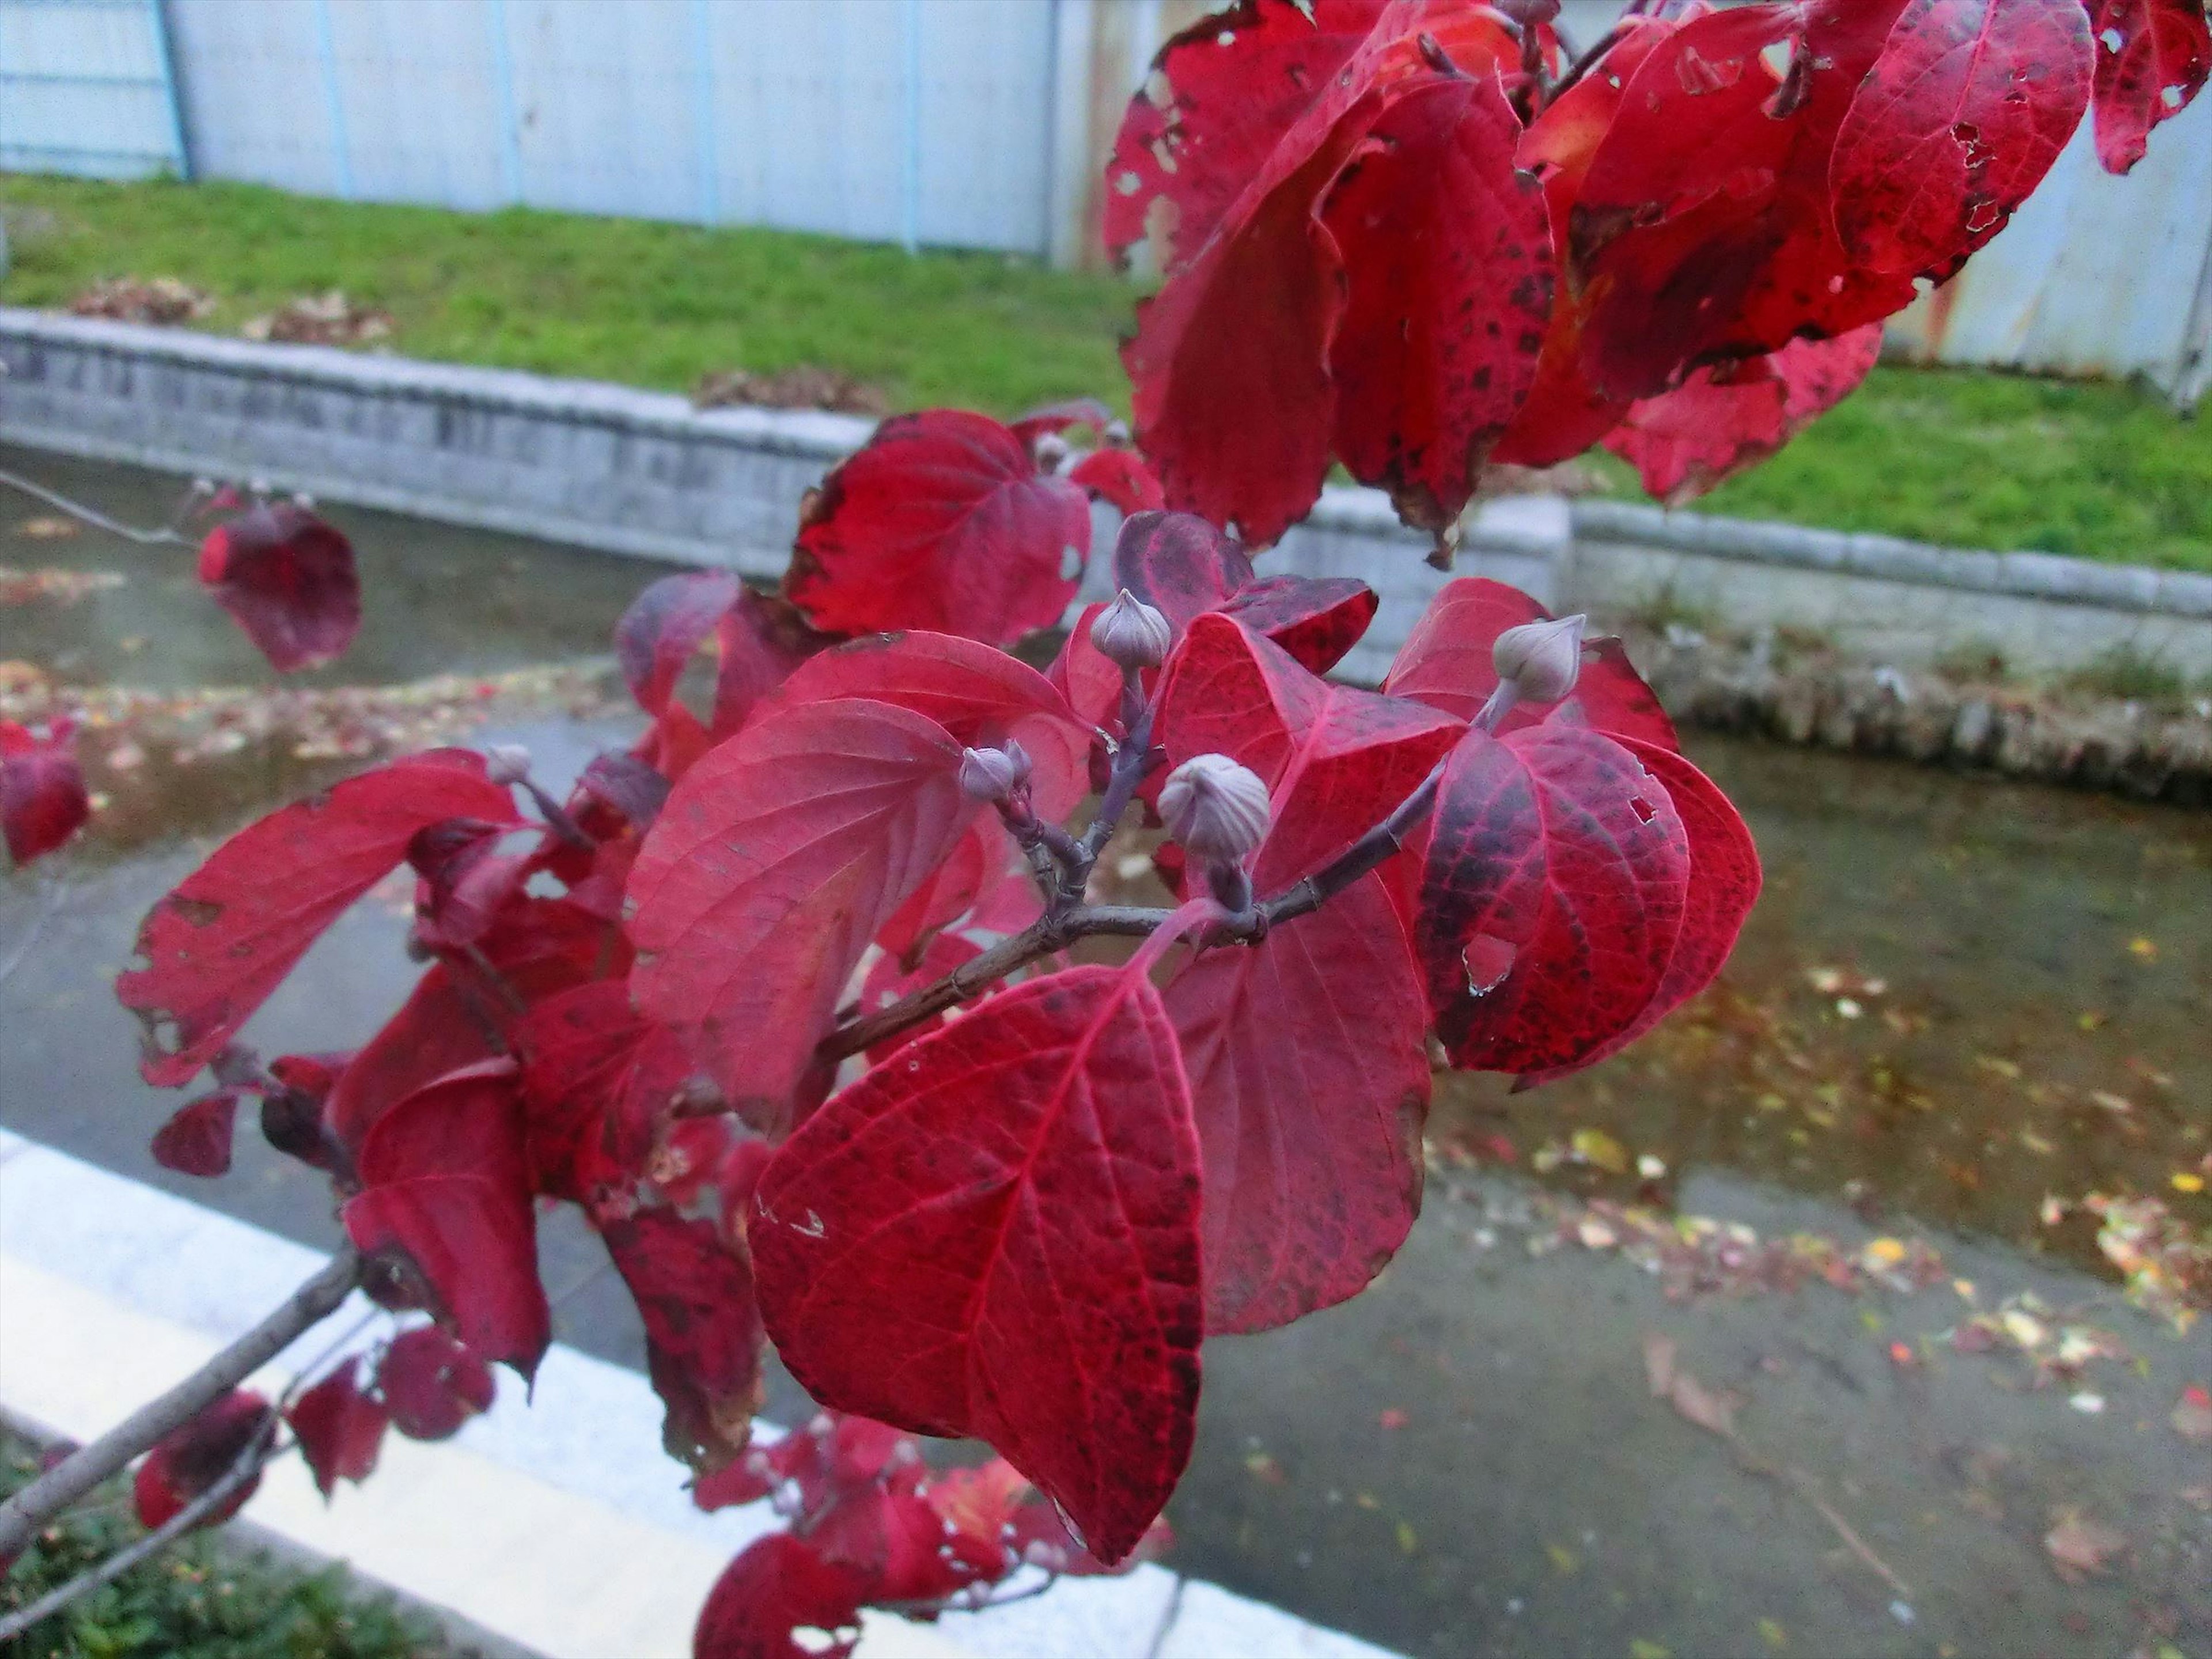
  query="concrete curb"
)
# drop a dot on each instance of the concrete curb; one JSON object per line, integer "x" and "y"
{"x": 556, "y": 1523}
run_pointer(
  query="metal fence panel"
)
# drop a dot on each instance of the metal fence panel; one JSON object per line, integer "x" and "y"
{"x": 85, "y": 88}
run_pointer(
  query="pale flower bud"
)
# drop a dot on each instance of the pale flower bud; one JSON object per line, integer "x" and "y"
{"x": 506, "y": 762}
{"x": 1541, "y": 660}
{"x": 1050, "y": 450}
{"x": 1130, "y": 633}
{"x": 993, "y": 774}
{"x": 1217, "y": 809}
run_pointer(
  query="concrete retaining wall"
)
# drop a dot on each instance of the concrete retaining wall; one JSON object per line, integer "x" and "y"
{"x": 645, "y": 474}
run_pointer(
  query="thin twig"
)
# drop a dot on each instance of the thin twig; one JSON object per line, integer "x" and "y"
{"x": 1852, "y": 1541}
{"x": 257, "y": 1455}
{"x": 21, "y": 1515}
{"x": 47, "y": 910}
{"x": 1169, "y": 1614}
{"x": 85, "y": 515}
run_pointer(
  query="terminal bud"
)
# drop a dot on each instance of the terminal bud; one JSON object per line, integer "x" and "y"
{"x": 1131, "y": 635}
{"x": 1218, "y": 810}
{"x": 993, "y": 774}
{"x": 506, "y": 762}
{"x": 1541, "y": 660}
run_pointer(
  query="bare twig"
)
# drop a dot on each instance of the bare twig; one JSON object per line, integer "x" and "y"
{"x": 21, "y": 1515}
{"x": 1856, "y": 1544}
{"x": 1169, "y": 1614}
{"x": 84, "y": 514}
{"x": 250, "y": 1463}
{"x": 48, "y": 908}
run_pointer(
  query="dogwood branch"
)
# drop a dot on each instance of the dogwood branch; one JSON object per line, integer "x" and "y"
{"x": 21, "y": 1515}
{"x": 85, "y": 515}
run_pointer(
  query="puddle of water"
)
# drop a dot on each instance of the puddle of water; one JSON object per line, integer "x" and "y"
{"x": 1468, "y": 1458}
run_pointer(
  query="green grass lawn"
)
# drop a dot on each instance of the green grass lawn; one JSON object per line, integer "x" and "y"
{"x": 1965, "y": 458}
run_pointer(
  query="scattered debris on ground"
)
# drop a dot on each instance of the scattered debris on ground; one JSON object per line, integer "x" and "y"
{"x": 801, "y": 386}
{"x": 163, "y": 299}
{"x": 328, "y": 319}
{"x": 53, "y": 586}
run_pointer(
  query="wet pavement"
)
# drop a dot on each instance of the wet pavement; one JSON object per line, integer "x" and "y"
{"x": 1962, "y": 1007}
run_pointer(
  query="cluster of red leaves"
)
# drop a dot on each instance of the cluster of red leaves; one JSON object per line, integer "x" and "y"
{"x": 1400, "y": 230}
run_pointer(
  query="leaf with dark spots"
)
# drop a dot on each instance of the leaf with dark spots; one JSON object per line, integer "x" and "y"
{"x": 1309, "y": 1079}
{"x": 196, "y": 1140}
{"x": 1448, "y": 267}
{"x": 43, "y": 801}
{"x": 431, "y": 1385}
{"x": 218, "y": 945}
{"x": 941, "y": 522}
{"x": 916, "y": 1263}
{"x": 598, "y": 1082}
{"x": 288, "y": 579}
{"x": 1179, "y": 564}
{"x": 1964, "y": 113}
{"x": 192, "y": 1458}
{"x": 1551, "y": 897}
{"x": 694, "y": 1290}
{"x": 776, "y": 860}
{"x": 1315, "y": 619}
{"x": 2153, "y": 57}
{"x": 340, "y": 1428}
{"x": 664, "y": 626}
{"x": 446, "y": 1189}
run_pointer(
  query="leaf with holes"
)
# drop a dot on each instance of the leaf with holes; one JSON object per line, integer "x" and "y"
{"x": 218, "y": 945}
{"x": 340, "y": 1428}
{"x": 431, "y": 1384}
{"x": 2153, "y": 57}
{"x": 779, "y": 1585}
{"x": 997, "y": 1235}
{"x": 702, "y": 1330}
{"x": 445, "y": 1193}
{"x": 1551, "y": 897}
{"x": 42, "y": 794}
{"x": 288, "y": 579}
{"x": 942, "y": 521}
{"x": 776, "y": 860}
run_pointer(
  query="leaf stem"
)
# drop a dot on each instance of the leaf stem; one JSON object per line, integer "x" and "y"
{"x": 84, "y": 514}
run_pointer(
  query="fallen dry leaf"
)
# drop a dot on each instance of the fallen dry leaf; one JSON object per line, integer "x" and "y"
{"x": 2192, "y": 1417}
{"x": 2081, "y": 1547}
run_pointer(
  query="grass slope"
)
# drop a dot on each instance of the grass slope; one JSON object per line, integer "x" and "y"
{"x": 1964, "y": 458}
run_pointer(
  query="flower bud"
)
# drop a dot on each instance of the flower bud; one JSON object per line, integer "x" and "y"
{"x": 1218, "y": 810}
{"x": 506, "y": 762}
{"x": 993, "y": 774}
{"x": 1050, "y": 451}
{"x": 1541, "y": 660}
{"x": 1130, "y": 633}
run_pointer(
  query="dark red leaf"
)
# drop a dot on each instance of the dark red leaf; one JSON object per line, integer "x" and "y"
{"x": 977, "y": 861}
{"x": 445, "y": 1187}
{"x": 917, "y": 1262}
{"x": 665, "y": 625}
{"x": 763, "y": 638}
{"x": 431, "y": 1384}
{"x": 900, "y": 1549}
{"x": 291, "y": 1114}
{"x": 192, "y": 1458}
{"x": 776, "y": 862}
{"x": 1724, "y": 882}
{"x": 1446, "y": 663}
{"x": 42, "y": 795}
{"x": 702, "y": 1330}
{"x": 1309, "y": 1071}
{"x": 1184, "y": 568}
{"x": 1119, "y": 478}
{"x": 196, "y": 1140}
{"x": 1315, "y": 619}
{"x": 216, "y": 947}
{"x": 288, "y": 579}
{"x": 340, "y": 1429}
{"x": 628, "y": 785}
{"x": 1335, "y": 760}
{"x": 778, "y": 1584}
{"x": 1448, "y": 260}
{"x": 466, "y": 880}
{"x": 1963, "y": 114}
{"x": 1551, "y": 899}
{"x": 597, "y": 1081}
{"x": 2153, "y": 57}
{"x": 941, "y": 522}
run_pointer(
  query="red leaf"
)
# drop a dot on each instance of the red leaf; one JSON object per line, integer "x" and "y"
{"x": 1184, "y": 568}
{"x": 1119, "y": 476}
{"x": 776, "y": 860}
{"x": 291, "y": 1114}
{"x": 998, "y": 1236}
{"x": 900, "y": 1549}
{"x": 1315, "y": 619}
{"x": 219, "y": 944}
{"x": 763, "y": 639}
{"x": 597, "y": 1083}
{"x": 702, "y": 1330}
{"x": 445, "y": 1185}
{"x": 432, "y": 1385}
{"x": 1446, "y": 663}
{"x": 664, "y": 626}
{"x": 288, "y": 579}
{"x": 2152, "y": 58}
{"x": 981, "y": 695}
{"x": 1083, "y": 675}
{"x": 977, "y": 861}
{"x": 1056, "y": 418}
{"x": 626, "y": 784}
{"x": 196, "y": 1140}
{"x": 1448, "y": 258}
{"x": 340, "y": 1429}
{"x": 192, "y": 1458}
{"x": 1309, "y": 1069}
{"x": 778, "y": 1584}
{"x": 42, "y": 795}
{"x": 1968, "y": 107}
{"x": 943, "y": 522}
{"x": 1724, "y": 882}
{"x": 1721, "y": 420}
{"x": 1335, "y": 760}
{"x": 1551, "y": 897}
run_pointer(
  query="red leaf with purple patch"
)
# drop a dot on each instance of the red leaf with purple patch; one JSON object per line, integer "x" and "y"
{"x": 288, "y": 579}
